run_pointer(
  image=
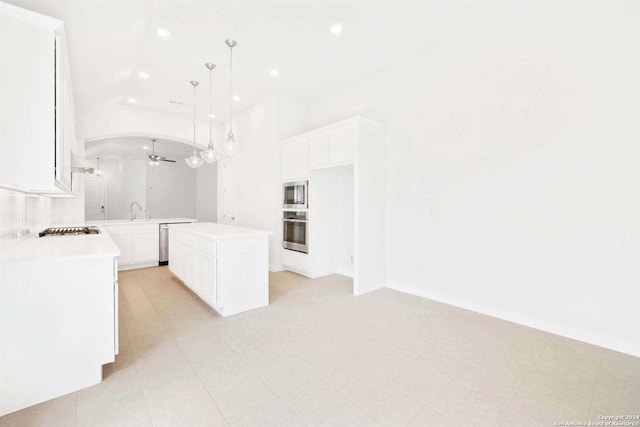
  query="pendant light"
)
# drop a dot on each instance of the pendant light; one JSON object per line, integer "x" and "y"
{"x": 210, "y": 155}
{"x": 194, "y": 161}
{"x": 230, "y": 141}
{"x": 97, "y": 171}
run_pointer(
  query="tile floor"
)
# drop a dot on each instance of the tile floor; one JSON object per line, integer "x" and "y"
{"x": 319, "y": 356}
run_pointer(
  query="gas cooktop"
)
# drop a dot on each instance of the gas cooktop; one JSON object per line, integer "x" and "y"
{"x": 69, "y": 231}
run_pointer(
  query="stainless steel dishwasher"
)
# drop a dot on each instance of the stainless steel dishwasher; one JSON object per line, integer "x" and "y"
{"x": 164, "y": 241}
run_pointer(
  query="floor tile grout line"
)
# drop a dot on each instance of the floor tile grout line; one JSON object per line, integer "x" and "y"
{"x": 135, "y": 367}
{"x": 595, "y": 387}
{"x": 535, "y": 364}
{"x": 173, "y": 338}
{"x": 263, "y": 382}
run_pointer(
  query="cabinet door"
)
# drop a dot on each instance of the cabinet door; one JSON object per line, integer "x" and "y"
{"x": 27, "y": 116}
{"x": 190, "y": 264}
{"x": 175, "y": 257}
{"x": 342, "y": 141}
{"x": 319, "y": 150}
{"x": 295, "y": 159}
{"x": 207, "y": 278}
{"x": 63, "y": 111}
{"x": 146, "y": 247}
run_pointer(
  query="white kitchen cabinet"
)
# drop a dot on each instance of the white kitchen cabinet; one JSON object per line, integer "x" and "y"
{"x": 226, "y": 266}
{"x": 206, "y": 271}
{"x": 145, "y": 240}
{"x": 319, "y": 150}
{"x": 36, "y": 104}
{"x": 295, "y": 159}
{"x": 126, "y": 251}
{"x": 139, "y": 243}
{"x": 331, "y": 146}
{"x": 342, "y": 141}
{"x": 362, "y": 143}
{"x": 58, "y": 325}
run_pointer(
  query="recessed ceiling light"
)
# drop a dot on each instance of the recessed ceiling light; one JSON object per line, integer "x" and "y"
{"x": 212, "y": 116}
{"x": 163, "y": 32}
{"x": 236, "y": 98}
{"x": 132, "y": 100}
{"x": 144, "y": 147}
{"x": 336, "y": 29}
{"x": 143, "y": 75}
{"x": 274, "y": 72}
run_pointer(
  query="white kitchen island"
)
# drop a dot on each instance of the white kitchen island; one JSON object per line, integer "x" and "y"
{"x": 226, "y": 266}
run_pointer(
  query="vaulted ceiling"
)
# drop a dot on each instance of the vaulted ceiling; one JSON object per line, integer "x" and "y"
{"x": 112, "y": 41}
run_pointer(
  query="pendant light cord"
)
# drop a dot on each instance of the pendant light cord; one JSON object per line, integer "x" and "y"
{"x": 231, "y": 89}
{"x": 210, "y": 108}
{"x": 194, "y": 119}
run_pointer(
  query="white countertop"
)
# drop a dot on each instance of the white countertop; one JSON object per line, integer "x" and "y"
{"x": 61, "y": 247}
{"x": 213, "y": 230}
{"x": 140, "y": 221}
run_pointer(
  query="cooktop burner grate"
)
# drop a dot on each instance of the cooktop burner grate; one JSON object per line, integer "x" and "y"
{"x": 69, "y": 231}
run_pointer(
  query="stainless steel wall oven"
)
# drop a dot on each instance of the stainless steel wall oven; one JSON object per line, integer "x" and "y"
{"x": 295, "y": 231}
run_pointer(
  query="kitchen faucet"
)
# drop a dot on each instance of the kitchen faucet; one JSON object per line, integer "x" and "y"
{"x": 131, "y": 215}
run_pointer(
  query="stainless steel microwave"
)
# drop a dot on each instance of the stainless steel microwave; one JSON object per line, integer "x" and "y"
{"x": 295, "y": 195}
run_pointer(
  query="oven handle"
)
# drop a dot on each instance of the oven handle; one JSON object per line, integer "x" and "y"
{"x": 294, "y": 220}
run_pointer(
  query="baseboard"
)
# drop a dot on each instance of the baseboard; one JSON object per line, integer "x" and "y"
{"x": 275, "y": 268}
{"x": 137, "y": 266}
{"x": 345, "y": 272}
{"x": 551, "y": 327}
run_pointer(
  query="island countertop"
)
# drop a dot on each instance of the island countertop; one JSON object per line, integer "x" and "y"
{"x": 214, "y": 230}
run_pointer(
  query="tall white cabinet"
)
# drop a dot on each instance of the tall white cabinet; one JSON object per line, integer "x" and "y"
{"x": 355, "y": 150}
{"x": 37, "y": 130}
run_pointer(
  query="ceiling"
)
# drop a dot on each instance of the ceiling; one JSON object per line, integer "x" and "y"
{"x": 132, "y": 147}
{"x": 111, "y": 41}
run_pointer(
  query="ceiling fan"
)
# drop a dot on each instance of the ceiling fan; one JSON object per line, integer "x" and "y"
{"x": 154, "y": 159}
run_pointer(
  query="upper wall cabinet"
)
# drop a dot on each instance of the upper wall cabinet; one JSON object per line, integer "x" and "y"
{"x": 295, "y": 159}
{"x": 332, "y": 146}
{"x": 36, "y": 104}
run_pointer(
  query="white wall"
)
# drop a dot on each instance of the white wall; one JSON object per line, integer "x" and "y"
{"x": 133, "y": 189}
{"x": 133, "y": 121}
{"x": 171, "y": 190}
{"x": 251, "y": 182}
{"x": 19, "y": 211}
{"x": 513, "y": 173}
{"x": 331, "y": 220}
{"x": 249, "y": 175}
{"x": 206, "y": 196}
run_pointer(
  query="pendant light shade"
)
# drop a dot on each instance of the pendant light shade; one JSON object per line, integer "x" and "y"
{"x": 194, "y": 161}
{"x": 230, "y": 142}
{"x": 210, "y": 155}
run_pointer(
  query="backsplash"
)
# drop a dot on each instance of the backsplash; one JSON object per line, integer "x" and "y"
{"x": 20, "y": 212}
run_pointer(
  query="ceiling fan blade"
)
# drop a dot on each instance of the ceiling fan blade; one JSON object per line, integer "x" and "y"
{"x": 166, "y": 160}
